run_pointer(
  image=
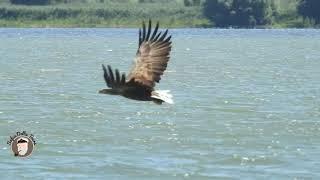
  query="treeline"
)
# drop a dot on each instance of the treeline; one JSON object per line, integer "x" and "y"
{"x": 310, "y": 9}
{"x": 175, "y": 13}
{"x": 51, "y": 2}
{"x": 240, "y": 13}
{"x": 253, "y": 13}
{"x": 117, "y": 13}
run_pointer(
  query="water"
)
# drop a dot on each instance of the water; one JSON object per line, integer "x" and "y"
{"x": 247, "y": 105}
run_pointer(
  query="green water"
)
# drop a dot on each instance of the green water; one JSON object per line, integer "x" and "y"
{"x": 247, "y": 106}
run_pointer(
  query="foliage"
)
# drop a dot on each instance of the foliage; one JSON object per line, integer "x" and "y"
{"x": 171, "y": 13}
{"x": 106, "y": 14}
{"x": 310, "y": 9}
{"x": 239, "y": 13}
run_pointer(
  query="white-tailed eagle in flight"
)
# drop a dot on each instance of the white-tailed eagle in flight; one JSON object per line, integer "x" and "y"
{"x": 150, "y": 62}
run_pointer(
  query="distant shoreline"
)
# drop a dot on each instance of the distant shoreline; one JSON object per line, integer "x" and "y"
{"x": 101, "y": 15}
{"x": 120, "y": 15}
{"x": 17, "y": 24}
{"x": 7, "y": 24}
{"x": 53, "y": 24}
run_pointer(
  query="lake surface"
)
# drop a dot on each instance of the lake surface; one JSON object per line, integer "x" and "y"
{"x": 247, "y": 106}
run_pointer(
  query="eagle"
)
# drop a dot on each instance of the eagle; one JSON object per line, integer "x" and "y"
{"x": 150, "y": 63}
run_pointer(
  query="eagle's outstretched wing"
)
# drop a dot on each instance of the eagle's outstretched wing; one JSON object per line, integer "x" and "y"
{"x": 151, "y": 58}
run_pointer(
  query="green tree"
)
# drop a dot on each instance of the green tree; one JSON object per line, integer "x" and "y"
{"x": 310, "y": 9}
{"x": 217, "y": 12}
{"x": 239, "y": 13}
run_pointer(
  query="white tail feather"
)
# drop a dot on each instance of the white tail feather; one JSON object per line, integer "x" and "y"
{"x": 163, "y": 95}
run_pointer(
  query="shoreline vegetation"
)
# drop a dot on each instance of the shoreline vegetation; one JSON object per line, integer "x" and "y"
{"x": 171, "y": 13}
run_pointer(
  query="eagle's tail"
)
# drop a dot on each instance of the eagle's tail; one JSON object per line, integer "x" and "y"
{"x": 162, "y": 95}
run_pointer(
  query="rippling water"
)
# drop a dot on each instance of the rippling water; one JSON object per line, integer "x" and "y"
{"x": 247, "y": 105}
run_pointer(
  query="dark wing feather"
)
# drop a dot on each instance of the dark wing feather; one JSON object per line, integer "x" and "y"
{"x": 111, "y": 74}
{"x": 106, "y": 76}
{"x": 112, "y": 82}
{"x": 151, "y": 58}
